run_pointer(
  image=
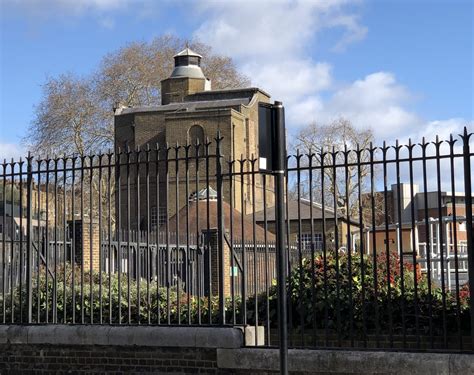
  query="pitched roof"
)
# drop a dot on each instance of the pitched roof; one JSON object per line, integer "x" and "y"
{"x": 188, "y": 106}
{"x": 187, "y": 52}
{"x": 200, "y": 208}
{"x": 292, "y": 212}
{"x": 190, "y": 71}
{"x": 229, "y": 93}
{"x": 201, "y": 101}
{"x": 203, "y": 194}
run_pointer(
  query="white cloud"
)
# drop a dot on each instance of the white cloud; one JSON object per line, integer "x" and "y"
{"x": 103, "y": 11}
{"x": 295, "y": 82}
{"x": 354, "y": 30}
{"x": 376, "y": 101}
{"x": 444, "y": 128}
{"x": 273, "y": 28}
{"x": 373, "y": 90}
{"x": 292, "y": 81}
{"x": 275, "y": 44}
{"x": 11, "y": 150}
{"x": 306, "y": 77}
{"x": 429, "y": 131}
{"x": 272, "y": 43}
{"x": 256, "y": 29}
{"x": 304, "y": 112}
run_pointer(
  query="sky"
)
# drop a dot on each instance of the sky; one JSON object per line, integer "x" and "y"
{"x": 403, "y": 68}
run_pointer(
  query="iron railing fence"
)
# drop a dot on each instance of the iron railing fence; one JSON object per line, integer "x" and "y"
{"x": 379, "y": 243}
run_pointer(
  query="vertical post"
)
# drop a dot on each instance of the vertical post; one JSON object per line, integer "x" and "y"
{"x": 29, "y": 244}
{"x": 279, "y": 174}
{"x": 220, "y": 229}
{"x": 470, "y": 240}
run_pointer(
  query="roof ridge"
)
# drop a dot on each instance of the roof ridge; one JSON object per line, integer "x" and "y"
{"x": 187, "y": 52}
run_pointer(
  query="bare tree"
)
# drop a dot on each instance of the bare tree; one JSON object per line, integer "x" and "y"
{"x": 66, "y": 118}
{"x": 75, "y": 113}
{"x": 338, "y": 143}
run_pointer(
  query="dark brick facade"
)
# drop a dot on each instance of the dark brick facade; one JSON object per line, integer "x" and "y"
{"x": 187, "y": 102}
{"x": 47, "y": 359}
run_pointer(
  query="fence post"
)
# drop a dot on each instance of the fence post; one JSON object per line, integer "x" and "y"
{"x": 279, "y": 173}
{"x": 220, "y": 228}
{"x": 470, "y": 240}
{"x": 29, "y": 235}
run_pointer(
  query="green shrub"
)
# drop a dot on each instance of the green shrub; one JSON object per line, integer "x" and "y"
{"x": 346, "y": 286}
{"x": 323, "y": 293}
{"x": 140, "y": 302}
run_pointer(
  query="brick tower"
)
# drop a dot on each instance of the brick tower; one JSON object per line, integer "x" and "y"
{"x": 191, "y": 110}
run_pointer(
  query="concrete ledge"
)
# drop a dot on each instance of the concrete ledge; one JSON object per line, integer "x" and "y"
{"x": 347, "y": 362}
{"x": 195, "y": 337}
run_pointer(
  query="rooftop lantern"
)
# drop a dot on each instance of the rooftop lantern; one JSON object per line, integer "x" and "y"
{"x": 186, "y": 79}
{"x": 187, "y": 63}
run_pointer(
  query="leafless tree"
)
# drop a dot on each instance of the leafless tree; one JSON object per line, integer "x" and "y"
{"x": 66, "y": 118}
{"x": 338, "y": 143}
{"x": 75, "y": 113}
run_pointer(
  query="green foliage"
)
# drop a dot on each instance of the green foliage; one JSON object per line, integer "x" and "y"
{"x": 346, "y": 286}
{"x": 324, "y": 293}
{"x": 115, "y": 299}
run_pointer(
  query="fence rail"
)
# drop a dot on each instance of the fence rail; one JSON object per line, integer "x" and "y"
{"x": 379, "y": 246}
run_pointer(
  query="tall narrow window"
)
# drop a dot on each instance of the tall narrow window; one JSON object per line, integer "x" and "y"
{"x": 154, "y": 218}
{"x": 158, "y": 217}
{"x": 196, "y": 133}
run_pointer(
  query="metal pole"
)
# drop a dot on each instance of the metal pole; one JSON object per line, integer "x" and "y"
{"x": 220, "y": 230}
{"x": 470, "y": 239}
{"x": 279, "y": 173}
{"x": 29, "y": 247}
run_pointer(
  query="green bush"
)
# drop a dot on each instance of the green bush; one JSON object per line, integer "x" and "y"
{"x": 346, "y": 286}
{"x": 323, "y": 293}
{"x": 140, "y": 302}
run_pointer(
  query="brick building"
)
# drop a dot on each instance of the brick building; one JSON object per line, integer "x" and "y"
{"x": 305, "y": 219}
{"x": 200, "y": 217}
{"x": 191, "y": 110}
{"x": 442, "y": 207}
{"x": 47, "y": 208}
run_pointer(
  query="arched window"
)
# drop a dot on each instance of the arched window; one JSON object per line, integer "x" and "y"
{"x": 196, "y": 133}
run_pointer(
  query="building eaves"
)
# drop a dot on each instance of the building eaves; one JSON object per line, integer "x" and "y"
{"x": 252, "y": 90}
{"x": 296, "y": 210}
{"x": 186, "y": 106}
{"x": 303, "y": 210}
{"x": 207, "y": 113}
{"x": 187, "y": 52}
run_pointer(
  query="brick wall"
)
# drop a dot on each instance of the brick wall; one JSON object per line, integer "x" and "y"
{"x": 237, "y": 124}
{"x": 215, "y": 264}
{"x": 175, "y": 90}
{"x": 98, "y": 349}
{"x": 43, "y": 349}
{"x": 46, "y": 359}
{"x": 87, "y": 243}
{"x": 91, "y": 245}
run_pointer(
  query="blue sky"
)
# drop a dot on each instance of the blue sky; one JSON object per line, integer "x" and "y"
{"x": 404, "y": 68}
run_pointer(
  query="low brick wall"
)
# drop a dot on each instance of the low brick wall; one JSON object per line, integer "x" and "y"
{"x": 112, "y": 350}
{"x": 318, "y": 362}
{"x": 46, "y": 359}
{"x": 193, "y": 350}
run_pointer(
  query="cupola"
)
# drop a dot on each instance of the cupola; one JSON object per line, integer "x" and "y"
{"x": 187, "y": 63}
{"x": 186, "y": 79}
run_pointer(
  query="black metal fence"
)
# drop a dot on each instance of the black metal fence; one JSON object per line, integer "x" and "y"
{"x": 379, "y": 243}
